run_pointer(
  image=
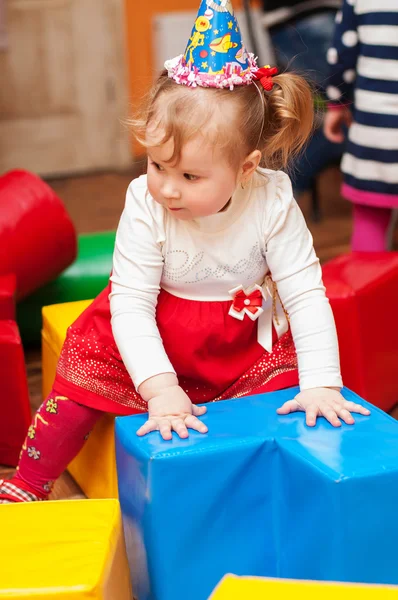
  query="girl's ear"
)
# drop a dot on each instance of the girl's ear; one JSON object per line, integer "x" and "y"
{"x": 249, "y": 165}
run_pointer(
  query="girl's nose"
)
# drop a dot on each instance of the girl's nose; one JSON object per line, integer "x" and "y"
{"x": 170, "y": 191}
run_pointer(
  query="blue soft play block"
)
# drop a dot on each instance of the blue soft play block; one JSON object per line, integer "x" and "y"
{"x": 260, "y": 494}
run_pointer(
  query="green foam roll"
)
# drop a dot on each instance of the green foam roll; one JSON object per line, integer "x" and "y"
{"x": 83, "y": 280}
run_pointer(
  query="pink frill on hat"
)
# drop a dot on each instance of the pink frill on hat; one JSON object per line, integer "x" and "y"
{"x": 233, "y": 74}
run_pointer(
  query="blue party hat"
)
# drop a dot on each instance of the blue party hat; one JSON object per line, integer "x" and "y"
{"x": 215, "y": 55}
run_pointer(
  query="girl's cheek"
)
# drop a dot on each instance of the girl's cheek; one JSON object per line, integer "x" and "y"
{"x": 151, "y": 183}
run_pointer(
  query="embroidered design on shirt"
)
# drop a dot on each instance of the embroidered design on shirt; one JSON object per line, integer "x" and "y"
{"x": 178, "y": 266}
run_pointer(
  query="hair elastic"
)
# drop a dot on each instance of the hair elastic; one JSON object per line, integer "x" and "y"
{"x": 264, "y": 76}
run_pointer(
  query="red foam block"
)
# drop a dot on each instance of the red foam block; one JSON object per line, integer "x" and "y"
{"x": 7, "y": 296}
{"x": 37, "y": 237}
{"x": 363, "y": 291}
{"x": 15, "y": 413}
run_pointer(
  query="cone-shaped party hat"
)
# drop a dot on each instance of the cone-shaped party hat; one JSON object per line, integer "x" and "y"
{"x": 215, "y": 55}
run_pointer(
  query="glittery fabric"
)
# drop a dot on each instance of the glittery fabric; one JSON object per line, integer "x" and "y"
{"x": 182, "y": 268}
{"x": 215, "y": 356}
{"x": 97, "y": 368}
{"x": 282, "y": 361}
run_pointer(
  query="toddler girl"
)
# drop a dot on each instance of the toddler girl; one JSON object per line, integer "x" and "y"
{"x": 216, "y": 291}
{"x": 364, "y": 62}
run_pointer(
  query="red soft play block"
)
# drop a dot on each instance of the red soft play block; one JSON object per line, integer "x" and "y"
{"x": 14, "y": 396}
{"x": 363, "y": 292}
{"x": 8, "y": 285}
{"x": 37, "y": 237}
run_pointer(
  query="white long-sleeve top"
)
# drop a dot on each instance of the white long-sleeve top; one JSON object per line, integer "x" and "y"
{"x": 261, "y": 232}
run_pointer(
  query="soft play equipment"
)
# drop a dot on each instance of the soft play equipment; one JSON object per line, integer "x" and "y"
{"x": 256, "y": 588}
{"x": 363, "y": 292}
{"x": 70, "y": 549}
{"x": 260, "y": 494}
{"x": 84, "y": 279}
{"x": 14, "y": 394}
{"x": 38, "y": 239}
{"x": 8, "y": 285}
{"x": 96, "y": 476}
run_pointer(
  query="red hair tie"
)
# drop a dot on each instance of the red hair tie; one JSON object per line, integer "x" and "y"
{"x": 264, "y": 76}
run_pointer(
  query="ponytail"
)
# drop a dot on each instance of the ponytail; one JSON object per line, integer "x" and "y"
{"x": 288, "y": 122}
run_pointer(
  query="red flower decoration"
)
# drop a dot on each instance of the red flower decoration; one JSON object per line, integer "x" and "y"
{"x": 264, "y": 76}
{"x": 251, "y": 302}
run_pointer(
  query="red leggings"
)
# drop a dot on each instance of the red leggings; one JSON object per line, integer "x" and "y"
{"x": 58, "y": 432}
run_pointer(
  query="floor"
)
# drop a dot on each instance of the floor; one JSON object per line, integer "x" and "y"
{"x": 95, "y": 202}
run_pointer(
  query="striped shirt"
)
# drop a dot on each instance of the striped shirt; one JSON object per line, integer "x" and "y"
{"x": 364, "y": 68}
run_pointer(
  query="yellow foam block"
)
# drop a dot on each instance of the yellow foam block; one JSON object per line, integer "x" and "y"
{"x": 257, "y": 588}
{"x": 94, "y": 469}
{"x": 71, "y": 549}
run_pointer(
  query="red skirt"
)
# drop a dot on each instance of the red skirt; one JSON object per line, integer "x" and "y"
{"x": 215, "y": 356}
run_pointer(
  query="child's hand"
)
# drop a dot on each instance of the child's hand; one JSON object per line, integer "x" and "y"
{"x": 171, "y": 410}
{"x": 326, "y": 402}
{"x": 333, "y": 124}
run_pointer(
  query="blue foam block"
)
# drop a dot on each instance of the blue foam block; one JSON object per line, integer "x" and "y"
{"x": 260, "y": 494}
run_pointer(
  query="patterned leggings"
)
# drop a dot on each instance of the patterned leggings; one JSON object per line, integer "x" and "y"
{"x": 58, "y": 432}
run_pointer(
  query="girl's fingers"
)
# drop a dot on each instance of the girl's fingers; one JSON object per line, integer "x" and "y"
{"x": 193, "y": 423}
{"x": 179, "y": 427}
{"x": 332, "y": 409}
{"x": 330, "y": 414}
{"x": 178, "y": 424}
{"x": 150, "y": 425}
{"x": 311, "y": 414}
{"x": 345, "y": 415}
{"x": 198, "y": 410}
{"x": 165, "y": 429}
{"x": 289, "y": 407}
{"x": 356, "y": 408}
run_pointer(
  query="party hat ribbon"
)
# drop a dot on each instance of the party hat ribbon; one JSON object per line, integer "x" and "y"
{"x": 215, "y": 55}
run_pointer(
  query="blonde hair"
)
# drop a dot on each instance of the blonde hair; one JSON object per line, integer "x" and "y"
{"x": 278, "y": 123}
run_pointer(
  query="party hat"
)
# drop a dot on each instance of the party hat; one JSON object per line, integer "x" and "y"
{"x": 215, "y": 55}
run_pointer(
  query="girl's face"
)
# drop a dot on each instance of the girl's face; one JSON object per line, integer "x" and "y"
{"x": 199, "y": 185}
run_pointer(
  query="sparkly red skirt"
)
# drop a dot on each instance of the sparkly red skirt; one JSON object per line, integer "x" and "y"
{"x": 215, "y": 356}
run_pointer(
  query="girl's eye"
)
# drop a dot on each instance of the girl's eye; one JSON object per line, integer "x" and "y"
{"x": 157, "y": 167}
{"x": 190, "y": 177}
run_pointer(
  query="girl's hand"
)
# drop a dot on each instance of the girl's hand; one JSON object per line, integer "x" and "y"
{"x": 333, "y": 124}
{"x": 171, "y": 410}
{"x": 326, "y": 402}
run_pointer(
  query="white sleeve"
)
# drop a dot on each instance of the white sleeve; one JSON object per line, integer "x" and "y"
{"x": 296, "y": 271}
{"x": 136, "y": 274}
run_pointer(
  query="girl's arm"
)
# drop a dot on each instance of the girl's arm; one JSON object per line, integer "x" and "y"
{"x": 295, "y": 269}
{"x": 136, "y": 274}
{"x": 342, "y": 57}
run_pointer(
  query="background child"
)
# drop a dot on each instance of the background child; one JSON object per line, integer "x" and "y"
{"x": 301, "y": 33}
{"x": 364, "y": 60}
{"x": 208, "y": 246}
